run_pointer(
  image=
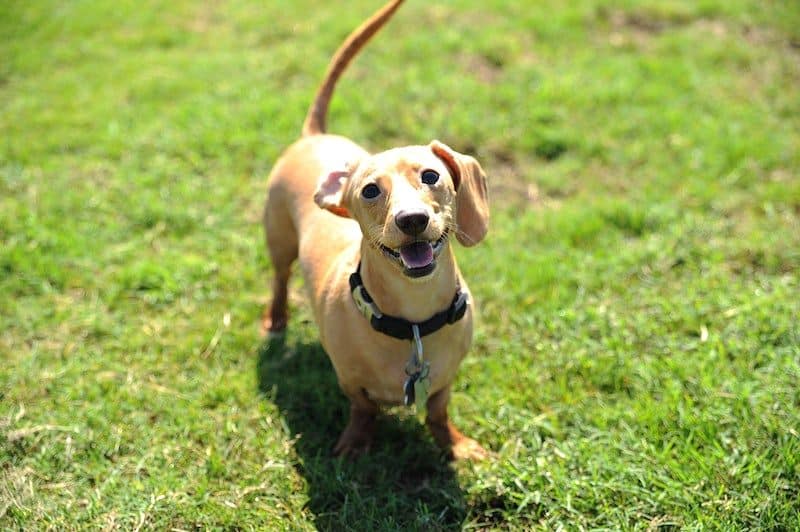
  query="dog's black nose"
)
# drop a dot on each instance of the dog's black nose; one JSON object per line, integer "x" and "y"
{"x": 411, "y": 223}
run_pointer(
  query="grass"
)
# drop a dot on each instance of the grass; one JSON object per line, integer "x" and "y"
{"x": 638, "y": 350}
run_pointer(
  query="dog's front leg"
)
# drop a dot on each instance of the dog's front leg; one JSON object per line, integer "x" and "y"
{"x": 446, "y": 435}
{"x": 356, "y": 439}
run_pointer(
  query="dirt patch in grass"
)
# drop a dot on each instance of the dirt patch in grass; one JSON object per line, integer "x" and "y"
{"x": 645, "y": 20}
{"x": 510, "y": 185}
{"x": 204, "y": 18}
{"x": 639, "y": 26}
{"x": 507, "y": 189}
{"x": 483, "y": 68}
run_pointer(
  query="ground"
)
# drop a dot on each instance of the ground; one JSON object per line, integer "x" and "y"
{"x": 637, "y": 351}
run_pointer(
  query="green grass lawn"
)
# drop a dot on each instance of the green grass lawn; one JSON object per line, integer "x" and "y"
{"x": 637, "y": 354}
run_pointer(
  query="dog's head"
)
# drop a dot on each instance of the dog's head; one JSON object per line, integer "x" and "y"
{"x": 409, "y": 200}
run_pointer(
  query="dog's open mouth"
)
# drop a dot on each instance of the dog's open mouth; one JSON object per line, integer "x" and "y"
{"x": 418, "y": 259}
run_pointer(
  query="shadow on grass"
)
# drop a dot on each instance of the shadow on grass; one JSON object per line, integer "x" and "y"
{"x": 403, "y": 483}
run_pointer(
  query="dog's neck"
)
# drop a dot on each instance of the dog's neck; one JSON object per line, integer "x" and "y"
{"x": 413, "y": 299}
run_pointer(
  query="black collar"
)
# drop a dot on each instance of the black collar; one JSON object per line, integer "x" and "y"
{"x": 401, "y": 328}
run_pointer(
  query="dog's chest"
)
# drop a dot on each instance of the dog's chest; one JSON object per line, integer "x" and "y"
{"x": 390, "y": 368}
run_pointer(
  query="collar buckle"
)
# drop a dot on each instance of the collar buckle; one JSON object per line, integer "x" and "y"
{"x": 365, "y": 304}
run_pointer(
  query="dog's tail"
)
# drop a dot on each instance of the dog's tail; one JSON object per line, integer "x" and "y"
{"x": 315, "y": 119}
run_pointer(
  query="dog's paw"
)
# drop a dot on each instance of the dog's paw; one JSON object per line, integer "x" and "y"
{"x": 270, "y": 328}
{"x": 351, "y": 447}
{"x": 468, "y": 449}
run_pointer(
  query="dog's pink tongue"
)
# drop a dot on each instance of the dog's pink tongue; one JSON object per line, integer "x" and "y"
{"x": 417, "y": 255}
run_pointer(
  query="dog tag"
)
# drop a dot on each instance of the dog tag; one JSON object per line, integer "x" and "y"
{"x": 409, "y": 390}
{"x": 421, "y": 388}
{"x": 418, "y": 383}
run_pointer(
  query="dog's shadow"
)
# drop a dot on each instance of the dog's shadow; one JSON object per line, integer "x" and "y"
{"x": 403, "y": 483}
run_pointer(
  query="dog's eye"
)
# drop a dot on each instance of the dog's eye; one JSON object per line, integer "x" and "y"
{"x": 429, "y": 177}
{"x": 371, "y": 191}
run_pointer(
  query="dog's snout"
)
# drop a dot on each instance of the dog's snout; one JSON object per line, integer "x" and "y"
{"x": 412, "y": 223}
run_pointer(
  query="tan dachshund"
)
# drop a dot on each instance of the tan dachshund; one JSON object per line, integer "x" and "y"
{"x": 372, "y": 233}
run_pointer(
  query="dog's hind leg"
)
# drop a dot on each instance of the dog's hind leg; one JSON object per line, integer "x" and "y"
{"x": 282, "y": 246}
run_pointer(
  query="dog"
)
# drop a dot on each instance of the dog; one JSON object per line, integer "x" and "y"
{"x": 373, "y": 234}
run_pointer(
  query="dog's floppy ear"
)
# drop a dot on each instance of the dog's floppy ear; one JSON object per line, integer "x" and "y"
{"x": 330, "y": 191}
{"x": 472, "y": 198}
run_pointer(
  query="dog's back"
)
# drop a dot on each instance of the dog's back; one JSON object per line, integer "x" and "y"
{"x": 293, "y": 223}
